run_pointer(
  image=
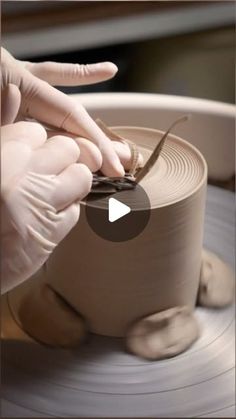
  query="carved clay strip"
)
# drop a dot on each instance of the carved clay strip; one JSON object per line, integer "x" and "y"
{"x": 115, "y": 137}
{"x": 156, "y": 152}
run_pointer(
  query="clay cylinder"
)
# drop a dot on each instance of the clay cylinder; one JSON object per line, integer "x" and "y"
{"x": 113, "y": 284}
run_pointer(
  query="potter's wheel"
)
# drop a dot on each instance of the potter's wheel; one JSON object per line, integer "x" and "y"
{"x": 100, "y": 380}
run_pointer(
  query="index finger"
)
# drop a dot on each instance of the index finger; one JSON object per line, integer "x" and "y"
{"x": 53, "y": 107}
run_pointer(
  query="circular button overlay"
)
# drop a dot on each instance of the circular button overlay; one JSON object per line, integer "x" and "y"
{"x": 119, "y": 216}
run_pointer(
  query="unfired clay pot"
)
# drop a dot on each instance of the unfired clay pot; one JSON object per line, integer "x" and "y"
{"x": 109, "y": 286}
{"x": 113, "y": 284}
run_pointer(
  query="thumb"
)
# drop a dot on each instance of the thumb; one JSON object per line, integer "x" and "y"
{"x": 11, "y": 100}
{"x": 59, "y": 74}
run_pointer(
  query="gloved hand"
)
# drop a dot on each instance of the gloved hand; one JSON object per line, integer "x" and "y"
{"x": 91, "y": 156}
{"x": 42, "y": 184}
{"x": 89, "y": 152}
{"x": 44, "y": 103}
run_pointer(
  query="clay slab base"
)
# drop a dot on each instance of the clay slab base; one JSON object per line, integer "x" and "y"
{"x": 100, "y": 379}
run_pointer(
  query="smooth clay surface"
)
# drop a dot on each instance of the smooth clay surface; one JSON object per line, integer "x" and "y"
{"x": 45, "y": 316}
{"x": 112, "y": 284}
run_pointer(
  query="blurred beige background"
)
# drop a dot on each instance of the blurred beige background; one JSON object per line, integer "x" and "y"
{"x": 169, "y": 47}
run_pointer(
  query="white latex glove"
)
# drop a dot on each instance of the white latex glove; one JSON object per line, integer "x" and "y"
{"x": 44, "y": 103}
{"x": 89, "y": 152}
{"x": 42, "y": 184}
{"x": 92, "y": 157}
{"x": 10, "y": 103}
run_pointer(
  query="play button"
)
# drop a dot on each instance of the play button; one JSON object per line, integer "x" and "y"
{"x": 116, "y": 210}
{"x": 119, "y": 216}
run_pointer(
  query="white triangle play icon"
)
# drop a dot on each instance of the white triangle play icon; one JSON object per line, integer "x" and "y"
{"x": 116, "y": 210}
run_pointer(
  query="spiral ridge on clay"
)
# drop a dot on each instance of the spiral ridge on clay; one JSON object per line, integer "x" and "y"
{"x": 179, "y": 172}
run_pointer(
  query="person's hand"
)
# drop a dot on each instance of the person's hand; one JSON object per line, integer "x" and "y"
{"x": 42, "y": 185}
{"x": 89, "y": 152}
{"x": 44, "y": 103}
{"x": 92, "y": 157}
